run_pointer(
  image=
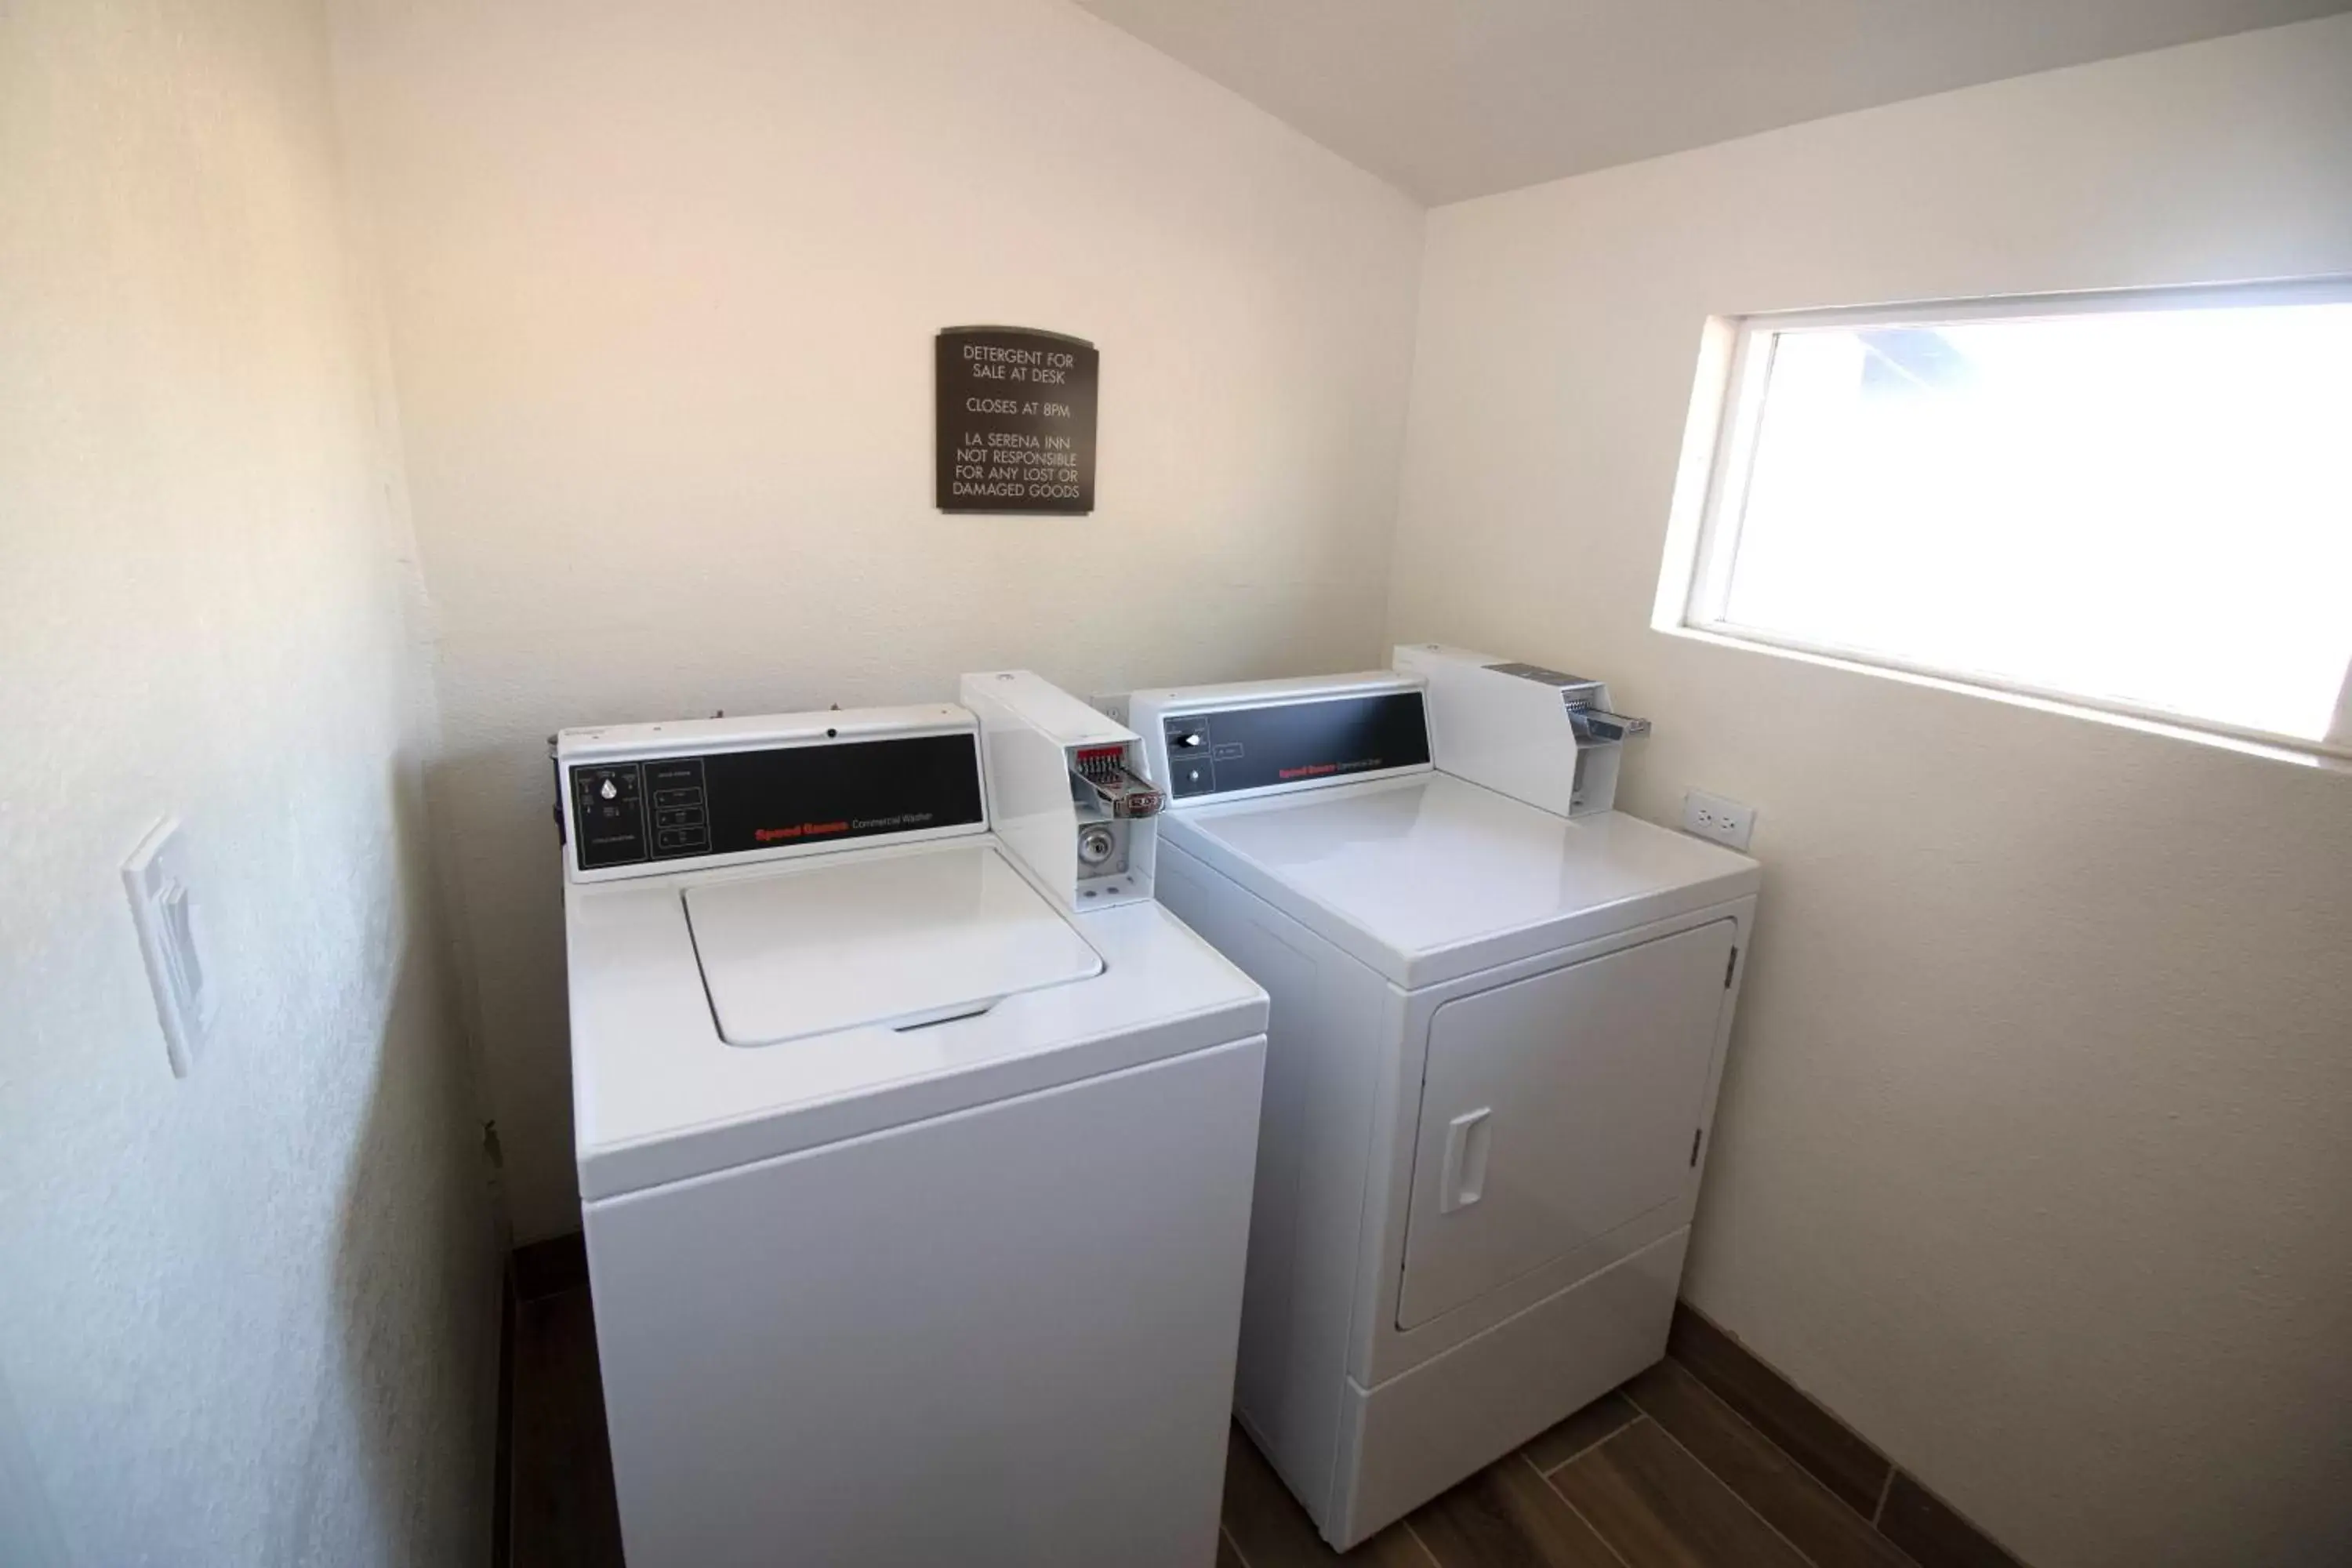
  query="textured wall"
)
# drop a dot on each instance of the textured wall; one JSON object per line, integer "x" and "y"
{"x": 247, "y": 1318}
{"x": 2031, "y": 1160}
{"x": 662, "y": 284}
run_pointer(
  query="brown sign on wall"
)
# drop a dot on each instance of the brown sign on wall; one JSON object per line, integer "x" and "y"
{"x": 1016, "y": 421}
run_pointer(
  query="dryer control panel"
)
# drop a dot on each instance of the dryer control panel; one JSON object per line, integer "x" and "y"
{"x": 1213, "y": 742}
{"x": 1221, "y": 752}
{"x": 837, "y": 782}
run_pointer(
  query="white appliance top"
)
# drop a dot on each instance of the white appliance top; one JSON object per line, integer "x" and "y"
{"x": 1427, "y": 878}
{"x": 897, "y": 940}
{"x": 860, "y": 970}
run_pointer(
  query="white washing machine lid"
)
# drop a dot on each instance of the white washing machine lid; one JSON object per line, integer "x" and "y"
{"x": 899, "y": 941}
{"x": 1428, "y": 877}
{"x": 659, "y": 1095}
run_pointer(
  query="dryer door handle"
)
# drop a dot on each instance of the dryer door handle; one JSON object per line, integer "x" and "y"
{"x": 1466, "y": 1138}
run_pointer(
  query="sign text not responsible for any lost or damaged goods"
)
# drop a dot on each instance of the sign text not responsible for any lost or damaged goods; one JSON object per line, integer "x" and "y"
{"x": 1016, "y": 421}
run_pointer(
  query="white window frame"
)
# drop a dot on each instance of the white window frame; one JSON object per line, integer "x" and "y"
{"x": 1718, "y": 454}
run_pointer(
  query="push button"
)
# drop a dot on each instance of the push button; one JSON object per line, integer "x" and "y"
{"x": 681, "y": 840}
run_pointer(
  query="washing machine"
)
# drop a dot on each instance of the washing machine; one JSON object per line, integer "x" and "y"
{"x": 915, "y": 1139}
{"x": 1500, "y": 1008}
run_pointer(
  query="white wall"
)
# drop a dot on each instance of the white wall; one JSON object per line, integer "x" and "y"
{"x": 2031, "y": 1159}
{"x": 662, "y": 283}
{"x": 246, "y": 1317}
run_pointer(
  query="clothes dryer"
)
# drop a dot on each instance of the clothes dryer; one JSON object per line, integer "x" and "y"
{"x": 1496, "y": 1034}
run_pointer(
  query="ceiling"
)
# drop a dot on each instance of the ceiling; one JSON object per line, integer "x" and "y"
{"x": 1451, "y": 99}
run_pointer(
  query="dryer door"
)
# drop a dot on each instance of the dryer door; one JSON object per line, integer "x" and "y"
{"x": 1555, "y": 1109}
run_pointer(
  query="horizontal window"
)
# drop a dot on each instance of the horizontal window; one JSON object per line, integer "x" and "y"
{"x": 2137, "y": 502}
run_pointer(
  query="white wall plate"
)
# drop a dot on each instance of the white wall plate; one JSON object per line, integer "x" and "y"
{"x": 164, "y": 910}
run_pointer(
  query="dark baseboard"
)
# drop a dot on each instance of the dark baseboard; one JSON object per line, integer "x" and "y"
{"x": 502, "y": 1449}
{"x": 1931, "y": 1531}
{"x": 538, "y": 1269}
{"x": 551, "y": 1267}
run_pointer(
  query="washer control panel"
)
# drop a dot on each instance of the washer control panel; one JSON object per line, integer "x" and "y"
{"x": 642, "y": 811}
{"x": 609, "y": 815}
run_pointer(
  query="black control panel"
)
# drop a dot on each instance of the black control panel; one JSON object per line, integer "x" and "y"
{"x": 608, "y": 815}
{"x": 1250, "y": 748}
{"x": 728, "y": 803}
{"x": 1539, "y": 673}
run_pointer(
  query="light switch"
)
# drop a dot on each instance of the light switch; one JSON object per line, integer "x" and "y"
{"x": 171, "y": 938}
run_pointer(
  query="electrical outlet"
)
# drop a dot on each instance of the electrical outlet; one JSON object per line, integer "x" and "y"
{"x": 1712, "y": 816}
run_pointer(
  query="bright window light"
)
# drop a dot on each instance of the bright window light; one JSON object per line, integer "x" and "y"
{"x": 2141, "y": 502}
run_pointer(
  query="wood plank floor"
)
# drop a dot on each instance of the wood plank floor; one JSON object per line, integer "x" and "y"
{"x": 1660, "y": 1474}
